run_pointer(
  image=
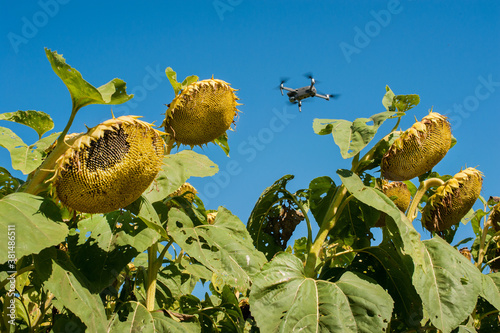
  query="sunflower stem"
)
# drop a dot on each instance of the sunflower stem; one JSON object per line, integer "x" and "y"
{"x": 424, "y": 186}
{"x": 482, "y": 244}
{"x": 35, "y": 185}
{"x": 334, "y": 210}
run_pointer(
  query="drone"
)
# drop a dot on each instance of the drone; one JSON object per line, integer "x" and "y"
{"x": 297, "y": 95}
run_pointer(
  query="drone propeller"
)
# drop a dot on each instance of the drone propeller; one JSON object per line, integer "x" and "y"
{"x": 283, "y": 80}
{"x": 308, "y": 75}
{"x": 332, "y": 95}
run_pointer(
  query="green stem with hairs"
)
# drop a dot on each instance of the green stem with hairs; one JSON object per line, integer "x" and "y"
{"x": 482, "y": 245}
{"x": 35, "y": 185}
{"x": 424, "y": 186}
{"x": 154, "y": 265}
{"x": 336, "y": 206}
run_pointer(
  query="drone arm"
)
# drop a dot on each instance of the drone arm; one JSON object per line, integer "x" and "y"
{"x": 327, "y": 97}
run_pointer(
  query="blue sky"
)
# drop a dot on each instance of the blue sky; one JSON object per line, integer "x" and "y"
{"x": 447, "y": 52}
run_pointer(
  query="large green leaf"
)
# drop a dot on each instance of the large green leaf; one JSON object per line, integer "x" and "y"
{"x": 131, "y": 317}
{"x": 177, "y": 168}
{"x": 284, "y": 300}
{"x": 401, "y": 231}
{"x": 448, "y": 284}
{"x": 70, "y": 289}
{"x": 25, "y": 158}
{"x": 106, "y": 244}
{"x": 491, "y": 289}
{"x": 258, "y": 221}
{"x": 83, "y": 93}
{"x": 172, "y": 77}
{"x": 351, "y": 137}
{"x": 384, "y": 265}
{"x": 224, "y": 247}
{"x": 34, "y": 224}
{"x": 37, "y": 120}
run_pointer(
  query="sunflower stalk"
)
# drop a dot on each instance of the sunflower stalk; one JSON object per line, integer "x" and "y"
{"x": 334, "y": 210}
{"x": 424, "y": 186}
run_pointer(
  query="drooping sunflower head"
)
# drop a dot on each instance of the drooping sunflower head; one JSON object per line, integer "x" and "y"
{"x": 202, "y": 112}
{"x": 110, "y": 166}
{"x": 452, "y": 200}
{"x": 418, "y": 149}
{"x": 187, "y": 190}
{"x": 495, "y": 217}
{"x": 400, "y": 195}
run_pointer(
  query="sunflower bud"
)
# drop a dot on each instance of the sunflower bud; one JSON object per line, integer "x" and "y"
{"x": 110, "y": 166}
{"x": 418, "y": 149}
{"x": 452, "y": 200}
{"x": 201, "y": 113}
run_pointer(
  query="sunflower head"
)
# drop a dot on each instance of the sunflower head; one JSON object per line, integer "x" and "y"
{"x": 452, "y": 200}
{"x": 400, "y": 195}
{"x": 418, "y": 149}
{"x": 110, "y": 166}
{"x": 201, "y": 113}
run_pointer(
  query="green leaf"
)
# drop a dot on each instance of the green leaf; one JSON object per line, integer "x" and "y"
{"x": 448, "y": 284}
{"x": 400, "y": 103}
{"x": 172, "y": 77}
{"x": 404, "y": 103}
{"x": 83, "y": 93}
{"x": 221, "y": 141}
{"x": 388, "y": 99}
{"x": 177, "y": 168}
{"x": 25, "y": 158}
{"x": 164, "y": 323}
{"x": 34, "y": 227}
{"x": 490, "y": 290}
{"x": 321, "y": 191}
{"x": 69, "y": 288}
{"x": 8, "y": 183}
{"x": 284, "y": 300}
{"x": 224, "y": 247}
{"x": 37, "y": 120}
{"x": 131, "y": 317}
{"x": 188, "y": 80}
{"x": 351, "y": 137}
{"x": 401, "y": 231}
{"x": 384, "y": 265}
{"x": 258, "y": 223}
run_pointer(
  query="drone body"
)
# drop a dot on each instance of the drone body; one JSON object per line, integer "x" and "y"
{"x": 297, "y": 95}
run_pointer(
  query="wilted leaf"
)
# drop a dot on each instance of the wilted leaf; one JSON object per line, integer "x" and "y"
{"x": 33, "y": 228}
{"x": 258, "y": 220}
{"x": 351, "y": 137}
{"x": 37, "y": 120}
{"x": 224, "y": 247}
{"x": 284, "y": 300}
{"x": 25, "y": 158}
{"x": 177, "y": 168}
{"x": 83, "y": 93}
